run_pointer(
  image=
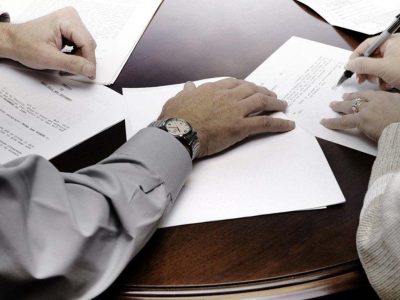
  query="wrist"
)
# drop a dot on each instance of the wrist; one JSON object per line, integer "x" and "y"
{"x": 6, "y": 40}
{"x": 182, "y": 131}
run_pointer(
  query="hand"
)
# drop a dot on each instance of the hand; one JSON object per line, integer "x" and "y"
{"x": 225, "y": 112}
{"x": 380, "y": 110}
{"x": 38, "y": 43}
{"x": 383, "y": 67}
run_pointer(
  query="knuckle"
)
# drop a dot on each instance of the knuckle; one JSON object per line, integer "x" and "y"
{"x": 260, "y": 99}
{"x": 92, "y": 43}
{"x": 69, "y": 10}
{"x": 267, "y": 123}
{"x": 250, "y": 86}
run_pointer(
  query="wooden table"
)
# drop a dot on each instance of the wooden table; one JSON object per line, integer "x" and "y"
{"x": 290, "y": 255}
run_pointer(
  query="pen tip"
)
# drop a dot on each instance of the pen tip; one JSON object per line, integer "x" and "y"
{"x": 341, "y": 80}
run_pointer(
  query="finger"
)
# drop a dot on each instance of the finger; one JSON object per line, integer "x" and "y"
{"x": 384, "y": 85}
{"x": 366, "y": 65}
{"x": 228, "y": 83}
{"x": 359, "y": 51}
{"x": 265, "y": 124}
{"x": 260, "y": 103}
{"x": 373, "y": 79}
{"x": 70, "y": 63}
{"x": 344, "y": 107}
{"x": 361, "y": 78}
{"x": 344, "y": 122}
{"x": 244, "y": 90}
{"x": 189, "y": 86}
{"x": 247, "y": 89}
{"x": 367, "y": 95}
{"x": 75, "y": 31}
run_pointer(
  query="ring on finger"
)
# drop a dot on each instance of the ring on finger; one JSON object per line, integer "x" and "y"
{"x": 355, "y": 104}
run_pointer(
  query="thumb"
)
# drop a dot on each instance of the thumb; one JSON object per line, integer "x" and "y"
{"x": 71, "y": 63}
{"x": 366, "y": 65}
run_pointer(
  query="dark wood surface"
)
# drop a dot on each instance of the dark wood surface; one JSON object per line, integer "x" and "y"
{"x": 299, "y": 254}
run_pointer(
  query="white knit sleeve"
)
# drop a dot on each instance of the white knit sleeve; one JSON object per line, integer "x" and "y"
{"x": 378, "y": 236}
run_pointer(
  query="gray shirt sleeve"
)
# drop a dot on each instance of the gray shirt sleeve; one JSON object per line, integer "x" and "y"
{"x": 68, "y": 236}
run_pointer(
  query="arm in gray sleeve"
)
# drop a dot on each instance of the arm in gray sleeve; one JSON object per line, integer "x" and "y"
{"x": 68, "y": 236}
{"x": 378, "y": 235}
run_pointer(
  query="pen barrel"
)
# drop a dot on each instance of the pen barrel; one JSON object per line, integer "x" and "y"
{"x": 393, "y": 28}
{"x": 377, "y": 43}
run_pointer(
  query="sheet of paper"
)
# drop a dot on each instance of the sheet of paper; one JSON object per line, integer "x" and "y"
{"x": 365, "y": 16}
{"x": 46, "y": 115}
{"x": 115, "y": 25}
{"x": 305, "y": 74}
{"x": 265, "y": 175}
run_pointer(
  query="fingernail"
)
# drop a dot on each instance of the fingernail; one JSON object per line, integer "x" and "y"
{"x": 333, "y": 103}
{"x": 323, "y": 122}
{"x": 89, "y": 70}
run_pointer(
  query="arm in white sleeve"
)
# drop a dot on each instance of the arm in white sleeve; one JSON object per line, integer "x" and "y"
{"x": 68, "y": 236}
{"x": 378, "y": 236}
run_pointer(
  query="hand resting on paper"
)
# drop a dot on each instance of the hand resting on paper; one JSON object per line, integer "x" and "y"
{"x": 376, "y": 111}
{"x": 226, "y": 112}
{"x": 382, "y": 67}
{"x": 38, "y": 43}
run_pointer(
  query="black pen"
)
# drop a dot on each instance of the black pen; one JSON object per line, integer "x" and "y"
{"x": 383, "y": 37}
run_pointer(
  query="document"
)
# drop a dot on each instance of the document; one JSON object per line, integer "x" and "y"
{"x": 115, "y": 25}
{"x": 305, "y": 74}
{"x": 263, "y": 175}
{"x": 46, "y": 115}
{"x": 365, "y": 16}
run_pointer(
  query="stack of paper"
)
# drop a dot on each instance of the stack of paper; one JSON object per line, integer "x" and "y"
{"x": 46, "y": 115}
{"x": 268, "y": 174}
{"x": 115, "y": 25}
{"x": 275, "y": 173}
{"x": 365, "y": 16}
{"x": 305, "y": 74}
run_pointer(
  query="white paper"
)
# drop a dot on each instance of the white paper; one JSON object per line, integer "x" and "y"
{"x": 305, "y": 74}
{"x": 267, "y": 174}
{"x": 365, "y": 16}
{"x": 46, "y": 115}
{"x": 115, "y": 25}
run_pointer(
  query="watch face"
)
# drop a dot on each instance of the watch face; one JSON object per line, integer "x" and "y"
{"x": 177, "y": 127}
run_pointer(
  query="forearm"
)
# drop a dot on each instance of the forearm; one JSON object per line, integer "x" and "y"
{"x": 379, "y": 230}
{"x": 72, "y": 234}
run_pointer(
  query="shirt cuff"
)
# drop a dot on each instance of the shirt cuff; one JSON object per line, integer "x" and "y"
{"x": 161, "y": 153}
{"x": 4, "y": 17}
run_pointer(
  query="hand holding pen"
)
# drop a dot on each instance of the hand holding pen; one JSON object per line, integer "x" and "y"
{"x": 377, "y": 58}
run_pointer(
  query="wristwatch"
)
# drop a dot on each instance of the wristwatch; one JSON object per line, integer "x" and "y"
{"x": 181, "y": 130}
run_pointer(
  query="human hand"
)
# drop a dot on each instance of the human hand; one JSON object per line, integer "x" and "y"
{"x": 38, "y": 43}
{"x": 383, "y": 68}
{"x": 225, "y": 112}
{"x": 379, "y": 110}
